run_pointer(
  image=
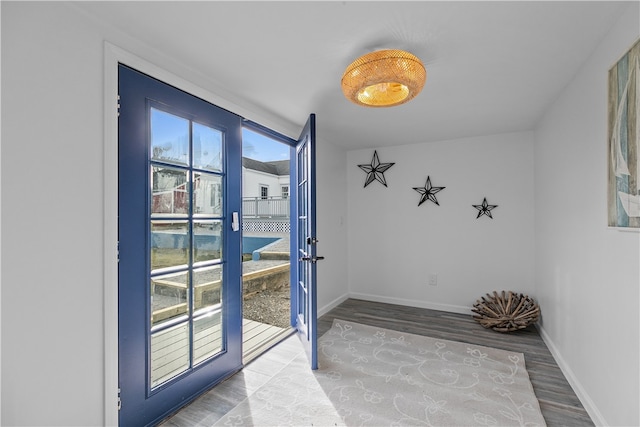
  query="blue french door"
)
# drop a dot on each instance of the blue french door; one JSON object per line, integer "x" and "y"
{"x": 180, "y": 315}
{"x": 303, "y": 283}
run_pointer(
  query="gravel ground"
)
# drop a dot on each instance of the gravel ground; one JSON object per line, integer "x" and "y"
{"x": 268, "y": 306}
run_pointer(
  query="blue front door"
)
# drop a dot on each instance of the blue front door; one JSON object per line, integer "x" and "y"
{"x": 303, "y": 283}
{"x": 180, "y": 320}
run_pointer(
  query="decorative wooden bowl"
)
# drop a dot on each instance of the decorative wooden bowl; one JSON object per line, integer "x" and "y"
{"x": 506, "y": 312}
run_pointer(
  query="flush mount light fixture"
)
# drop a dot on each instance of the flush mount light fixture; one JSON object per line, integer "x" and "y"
{"x": 384, "y": 78}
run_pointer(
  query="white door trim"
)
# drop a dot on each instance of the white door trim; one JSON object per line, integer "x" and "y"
{"x": 110, "y": 236}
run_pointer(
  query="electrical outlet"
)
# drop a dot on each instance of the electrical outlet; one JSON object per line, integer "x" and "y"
{"x": 433, "y": 279}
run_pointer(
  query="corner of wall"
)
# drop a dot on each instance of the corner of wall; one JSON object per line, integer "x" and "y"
{"x": 575, "y": 384}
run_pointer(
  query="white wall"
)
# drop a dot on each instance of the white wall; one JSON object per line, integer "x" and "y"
{"x": 587, "y": 275}
{"x": 52, "y": 328}
{"x": 53, "y": 333}
{"x": 394, "y": 243}
{"x": 52, "y": 258}
{"x": 331, "y": 197}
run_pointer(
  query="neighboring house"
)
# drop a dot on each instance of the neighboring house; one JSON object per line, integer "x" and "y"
{"x": 265, "y": 179}
{"x": 265, "y": 196}
{"x": 265, "y": 190}
{"x": 170, "y": 192}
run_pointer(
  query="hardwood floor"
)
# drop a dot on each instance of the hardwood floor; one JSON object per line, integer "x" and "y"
{"x": 558, "y": 402}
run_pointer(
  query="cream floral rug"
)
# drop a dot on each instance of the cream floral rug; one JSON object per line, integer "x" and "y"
{"x": 378, "y": 377}
{"x": 372, "y": 376}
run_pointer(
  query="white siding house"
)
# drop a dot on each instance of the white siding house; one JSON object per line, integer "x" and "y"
{"x": 265, "y": 189}
{"x": 258, "y": 176}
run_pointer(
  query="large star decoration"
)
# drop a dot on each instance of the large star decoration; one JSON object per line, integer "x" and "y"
{"x": 428, "y": 192}
{"x": 485, "y": 209}
{"x": 375, "y": 171}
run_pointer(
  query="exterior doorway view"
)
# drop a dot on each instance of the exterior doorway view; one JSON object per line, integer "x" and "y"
{"x": 186, "y": 320}
{"x": 266, "y": 229}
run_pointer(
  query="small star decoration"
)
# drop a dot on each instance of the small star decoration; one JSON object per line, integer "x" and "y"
{"x": 428, "y": 192}
{"x": 484, "y": 209}
{"x": 375, "y": 171}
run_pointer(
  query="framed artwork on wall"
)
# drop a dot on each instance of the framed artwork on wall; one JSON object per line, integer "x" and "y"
{"x": 624, "y": 140}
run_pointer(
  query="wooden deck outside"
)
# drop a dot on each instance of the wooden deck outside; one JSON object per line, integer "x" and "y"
{"x": 259, "y": 337}
{"x": 170, "y": 348}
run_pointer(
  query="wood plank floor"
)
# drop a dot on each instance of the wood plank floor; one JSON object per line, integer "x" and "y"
{"x": 560, "y": 406}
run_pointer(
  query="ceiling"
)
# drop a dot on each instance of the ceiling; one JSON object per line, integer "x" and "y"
{"x": 492, "y": 67}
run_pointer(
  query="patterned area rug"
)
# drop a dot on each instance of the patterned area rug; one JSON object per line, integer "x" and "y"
{"x": 372, "y": 376}
{"x": 376, "y": 376}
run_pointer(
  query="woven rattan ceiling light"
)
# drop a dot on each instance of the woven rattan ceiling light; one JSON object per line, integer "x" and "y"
{"x": 384, "y": 78}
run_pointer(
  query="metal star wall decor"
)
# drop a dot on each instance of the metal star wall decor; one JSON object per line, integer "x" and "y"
{"x": 428, "y": 192}
{"x": 485, "y": 209}
{"x": 375, "y": 171}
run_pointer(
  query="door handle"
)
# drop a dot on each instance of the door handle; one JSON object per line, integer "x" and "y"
{"x": 312, "y": 259}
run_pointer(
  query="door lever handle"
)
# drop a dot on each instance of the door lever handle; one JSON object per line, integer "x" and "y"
{"x": 313, "y": 260}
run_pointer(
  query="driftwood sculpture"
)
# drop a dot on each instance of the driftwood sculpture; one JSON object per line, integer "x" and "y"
{"x": 506, "y": 312}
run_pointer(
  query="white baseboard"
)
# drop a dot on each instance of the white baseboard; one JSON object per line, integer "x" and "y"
{"x": 413, "y": 303}
{"x": 333, "y": 304}
{"x": 583, "y": 396}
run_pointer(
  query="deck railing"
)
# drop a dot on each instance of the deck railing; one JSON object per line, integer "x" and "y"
{"x": 270, "y": 207}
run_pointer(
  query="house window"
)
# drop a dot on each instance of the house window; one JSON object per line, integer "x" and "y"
{"x": 264, "y": 192}
{"x": 285, "y": 191}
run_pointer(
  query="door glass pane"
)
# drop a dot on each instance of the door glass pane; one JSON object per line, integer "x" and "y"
{"x": 207, "y": 148}
{"x": 302, "y": 164}
{"x": 169, "y": 353}
{"x": 302, "y": 306}
{"x": 207, "y": 241}
{"x": 187, "y": 176}
{"x": 207, "y": 287}
{"x": 169, "y": 297}
{"x": 207, "y": 194}
{"x": 170, "y": 196}
{"x": 302, "y": 243}
{"x": 169, "y": 138}
{"x": 207, "y": 336}
{"x": 169, "y": 244}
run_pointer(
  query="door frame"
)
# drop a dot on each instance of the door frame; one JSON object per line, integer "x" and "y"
{"x": 113, "y": 55}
